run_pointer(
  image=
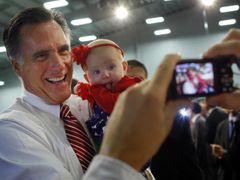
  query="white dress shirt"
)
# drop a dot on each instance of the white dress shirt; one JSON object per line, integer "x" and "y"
{"x": 33, "y": 145}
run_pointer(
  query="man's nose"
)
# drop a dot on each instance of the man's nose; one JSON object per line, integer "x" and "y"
{"x": 57, "y": 61}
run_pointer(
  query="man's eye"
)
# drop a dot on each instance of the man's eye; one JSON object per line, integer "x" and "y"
{"x": 41, "y": 57}
{"x": 65, "y": 52}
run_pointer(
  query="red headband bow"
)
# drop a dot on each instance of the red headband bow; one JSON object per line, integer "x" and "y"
{"x": 81, "y": 52}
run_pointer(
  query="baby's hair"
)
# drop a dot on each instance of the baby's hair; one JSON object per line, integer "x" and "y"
{"x": 81, "y": 52}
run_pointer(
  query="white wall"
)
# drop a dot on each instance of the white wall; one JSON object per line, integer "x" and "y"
{"x": 190, "y": 47}
{"x": 10, "y": 90}
{"x": 8, "y": 96}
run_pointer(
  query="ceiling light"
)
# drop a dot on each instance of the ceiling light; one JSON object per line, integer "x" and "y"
{"x": 121, "y": 12}
{"x": 227, "y": 22}
{"x": 154, "y": 20}
{"x": 78, "y": 22}
{"x": 87, "y": 38}
{"x": 225, "y": 9}
{"x": 162, "y": 32}
{"x": 167, "y": 0}
{"x": 205, "y": 26}
{"x": 55, "y": 4}
{"x": 207, "y": 2}
{"x": 2, "y": 83}
{"x": 2, "y": 49}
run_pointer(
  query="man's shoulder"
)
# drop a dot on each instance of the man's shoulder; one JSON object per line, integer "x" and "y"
{"x": 15, "y": 109}
{"x": 21, "y": 113}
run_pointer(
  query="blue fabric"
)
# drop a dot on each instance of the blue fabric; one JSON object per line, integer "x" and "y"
{"x": 96, "y": 124}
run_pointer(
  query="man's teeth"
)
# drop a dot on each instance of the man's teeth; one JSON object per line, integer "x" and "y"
{"x": 56, "y": 79}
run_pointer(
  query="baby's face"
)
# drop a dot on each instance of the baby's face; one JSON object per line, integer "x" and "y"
{"x": 105, "y": 66}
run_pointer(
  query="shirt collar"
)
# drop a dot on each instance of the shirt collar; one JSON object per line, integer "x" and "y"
{"x": 40, "y": 104}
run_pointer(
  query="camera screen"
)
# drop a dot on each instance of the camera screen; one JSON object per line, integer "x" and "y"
{"x": 194, "y": 78}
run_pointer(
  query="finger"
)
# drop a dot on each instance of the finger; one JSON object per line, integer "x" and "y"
{"x": 233, "y": 34}
{"x": 230, "y": 47}
{"x": 226, "y": 100}
{"x": 163, "y": 75}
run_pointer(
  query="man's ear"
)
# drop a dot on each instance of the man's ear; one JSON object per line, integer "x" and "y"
{"x": 86, "y": 77}
{"x": 16, "y": 67}
{"x": 125, "y": 66}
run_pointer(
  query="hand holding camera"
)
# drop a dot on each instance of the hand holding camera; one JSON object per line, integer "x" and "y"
{"x": 202, "y": 77}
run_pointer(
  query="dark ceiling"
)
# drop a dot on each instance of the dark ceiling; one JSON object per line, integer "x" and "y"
{"x": 105, "y": 23}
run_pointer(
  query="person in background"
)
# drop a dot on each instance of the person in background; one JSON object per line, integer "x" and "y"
{"x": 215, "y": 115}
{"x": 198, "y": 131}
{"x": 137, "y": 69}
{"x": 105, "y": 70}
{"x": 223, "y": 142}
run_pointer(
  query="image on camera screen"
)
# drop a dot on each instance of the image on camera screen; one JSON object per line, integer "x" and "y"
{"x": 194, "y": 78}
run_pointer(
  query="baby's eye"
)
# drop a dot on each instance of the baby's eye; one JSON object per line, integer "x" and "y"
{"x": 96, "y": 72}
{"x": 111, "y": 66}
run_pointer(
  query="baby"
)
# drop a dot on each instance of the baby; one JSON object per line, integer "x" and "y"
{"x": 105, "y": 71}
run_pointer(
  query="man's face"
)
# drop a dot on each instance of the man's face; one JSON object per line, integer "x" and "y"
{"x": 105, "y": 66}
{"x": 47, "y": 66}
{"x": 137, "y": 72}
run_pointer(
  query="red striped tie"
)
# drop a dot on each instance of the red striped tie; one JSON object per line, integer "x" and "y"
{"x": 77, "y": 137}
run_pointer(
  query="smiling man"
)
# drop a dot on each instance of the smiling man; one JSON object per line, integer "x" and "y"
{"x": 38, "y": 47}
{"x": 45, "y": 65}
